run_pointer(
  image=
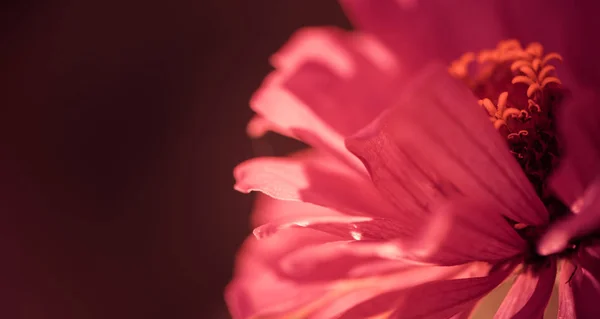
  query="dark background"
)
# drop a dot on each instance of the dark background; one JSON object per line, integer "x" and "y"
{"x": 121, "y": 123}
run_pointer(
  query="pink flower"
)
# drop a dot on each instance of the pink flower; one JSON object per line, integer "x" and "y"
{"x": 423, "y": 191}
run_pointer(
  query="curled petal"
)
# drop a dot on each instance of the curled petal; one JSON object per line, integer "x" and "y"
{"x": 418, "y": 161}
{"x": 328, "y": 83}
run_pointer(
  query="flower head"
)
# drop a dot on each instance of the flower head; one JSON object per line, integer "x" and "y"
{"x": 426, "y": 186}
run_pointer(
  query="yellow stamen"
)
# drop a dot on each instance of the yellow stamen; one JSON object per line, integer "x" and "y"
{"x": 544, "y": 72}
{"x": 522, "y": 79}
{"x": 532, "y": 89}
{"x": 550, "y": 79}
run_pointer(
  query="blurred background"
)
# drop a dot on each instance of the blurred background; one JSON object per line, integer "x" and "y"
{"x": 121, "y": 123}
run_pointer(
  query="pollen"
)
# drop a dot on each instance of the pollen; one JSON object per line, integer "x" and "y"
{"x": 519, "y": 90}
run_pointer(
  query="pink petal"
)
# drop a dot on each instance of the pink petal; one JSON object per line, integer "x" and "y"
{"x": 420, "y": 30}
{"x": 267, "y": 209}
{"x": 580, "y": 285}
{"x": 473, "y": 232}
{"x": 259, "y": 286}
{"x": 328, "y": 84}
{"x": 433, "y": 300}
{"x": 345, "y": 227}
{"x": 262, "y": 287}
{"x": 437, "y": 143}
{"x": 587, "y": 221}
{"x": 314, "y": 177}
{"x": 566, "y": 302}
{"x": 351, "y": 259}
{"x": 259, "y": 126}
{"x": 407, "y": 278}
{"x": 529, "y": 294}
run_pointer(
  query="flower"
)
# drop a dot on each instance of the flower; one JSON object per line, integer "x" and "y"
{"x": 425, "y": 187}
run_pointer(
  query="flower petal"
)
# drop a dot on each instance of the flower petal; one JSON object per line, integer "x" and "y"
{"x": 529, "y": 294}
{"x": 348, "y": 228}
{"x": 566, "y": 302}
{"x": 259, "y": 126}
{"x": 260, "y": 288}
{"x": 259, "y": 285}
{"x": 472, "y": 232}
{"x": 434, "y": 299}
{"x": 314, "y": 177}
{"x": 587, "y": 221}
{"x": 437, "y": 143}
{"x": 580, "y": 285}
{"x": 268, "y": 209}
{"x": 328, "y": 83}
{"x": 367, "y": 290}
{"x": 434, "y": 29}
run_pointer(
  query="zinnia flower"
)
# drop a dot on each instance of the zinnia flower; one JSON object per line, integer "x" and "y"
{"x": 426, "y": 184}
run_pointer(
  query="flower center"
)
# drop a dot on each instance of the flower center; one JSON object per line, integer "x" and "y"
{"x": 520, "y": 92}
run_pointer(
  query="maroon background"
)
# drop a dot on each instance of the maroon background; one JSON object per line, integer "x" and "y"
{"x": 121, "y": 122}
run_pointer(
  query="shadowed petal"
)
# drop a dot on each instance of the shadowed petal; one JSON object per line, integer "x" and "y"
{"x": 587, "y": 221}
{"x": 580, "y": 285}
{"x": 437, "y": 143}
{"x": 314, "y": 177}
{"x": 567, "y": 185}
{"x": 579, "y": 125}
{"x": 529, "y": 294}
